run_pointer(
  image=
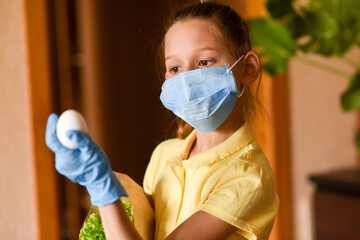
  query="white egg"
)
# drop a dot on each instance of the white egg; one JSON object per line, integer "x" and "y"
{"x": 70, "y": 120}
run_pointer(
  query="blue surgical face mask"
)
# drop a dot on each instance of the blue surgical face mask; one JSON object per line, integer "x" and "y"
{"x": 203, "y": 98}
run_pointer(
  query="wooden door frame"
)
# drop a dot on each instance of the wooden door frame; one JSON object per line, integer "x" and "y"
{"x": 41, "y": 105}
{"x": 275, "y": 137}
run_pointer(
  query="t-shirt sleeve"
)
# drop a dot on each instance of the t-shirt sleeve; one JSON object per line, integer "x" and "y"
{"x": 245, "y": 197}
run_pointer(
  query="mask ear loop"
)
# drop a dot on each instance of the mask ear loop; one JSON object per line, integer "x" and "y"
{"x": 241, "y": 93}
{"x": 235, "y": 63}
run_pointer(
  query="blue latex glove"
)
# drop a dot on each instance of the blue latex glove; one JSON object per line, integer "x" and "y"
{"x": 87, "y": 165}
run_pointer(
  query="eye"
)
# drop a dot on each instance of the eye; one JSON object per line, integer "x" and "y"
{"x": 205, "y": 63}
{"x": 174, "y": 69}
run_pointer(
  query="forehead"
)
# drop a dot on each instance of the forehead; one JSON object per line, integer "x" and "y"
{"x": 193, "y": 33}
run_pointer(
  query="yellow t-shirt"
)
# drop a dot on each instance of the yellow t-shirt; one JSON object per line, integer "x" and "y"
{"x": 232, "y": 181}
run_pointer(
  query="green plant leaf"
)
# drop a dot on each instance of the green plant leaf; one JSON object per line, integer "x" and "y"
{"x": 296, "y": 25}
{"x": 333, "y": 26}
{"x": 273, "y": 43}
{"x": 322, "y": 30}
{"x": 336, "y": 7}
{"x": 350, "y": 12}
{"x": 347, "y": 13}
{"x": 278, "y": 8}
{"x": 350, "y": 99}
{"x": 358, "y": 142}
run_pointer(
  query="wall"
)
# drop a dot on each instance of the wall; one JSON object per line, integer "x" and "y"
{"x": 17, "y": 201}
{"x": 322, "y": 135}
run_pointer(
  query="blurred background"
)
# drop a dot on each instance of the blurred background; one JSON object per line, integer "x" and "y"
{"x": 98, "y": 57}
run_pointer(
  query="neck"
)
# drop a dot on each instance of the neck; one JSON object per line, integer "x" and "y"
{"x": 206, "y": 141}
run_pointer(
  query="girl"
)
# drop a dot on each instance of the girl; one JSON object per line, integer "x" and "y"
{"x": 213, "y": 182}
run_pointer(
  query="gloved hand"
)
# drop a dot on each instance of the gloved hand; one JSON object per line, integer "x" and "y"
{"x": 87, "y": 165}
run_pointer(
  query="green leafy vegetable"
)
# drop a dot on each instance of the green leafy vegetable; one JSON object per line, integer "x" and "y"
{"x": 93, "y": 229}
{"x": 129, "y": 210}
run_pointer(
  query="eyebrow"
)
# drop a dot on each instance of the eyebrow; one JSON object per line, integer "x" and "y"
{"x": 207, "y": 48}
{"x": 201, "y": 49}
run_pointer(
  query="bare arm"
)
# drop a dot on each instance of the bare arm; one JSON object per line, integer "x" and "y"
{"x": 203, "y": 225}
{"x": 116, "y": 222}
{"x": 200, "y": 225}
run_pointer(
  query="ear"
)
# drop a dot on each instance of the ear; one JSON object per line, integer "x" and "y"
{"x": 251, "y": 68}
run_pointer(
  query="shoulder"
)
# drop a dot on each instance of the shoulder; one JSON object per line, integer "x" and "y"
{"x": 244, "y": 195}
{"x": 246, "y": 175}
{"x": 251, "y": 159}
{"x": 248, "y": 158}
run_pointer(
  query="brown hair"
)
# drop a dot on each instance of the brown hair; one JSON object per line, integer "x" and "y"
{"x": 234, "y": 31}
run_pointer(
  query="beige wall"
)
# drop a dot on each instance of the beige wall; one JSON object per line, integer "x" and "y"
{"x": 322, "y": 136}
{"x": 17, "y": 214}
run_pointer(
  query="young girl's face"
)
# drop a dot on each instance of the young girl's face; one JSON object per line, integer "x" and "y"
{"x": 192, "y": 44}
